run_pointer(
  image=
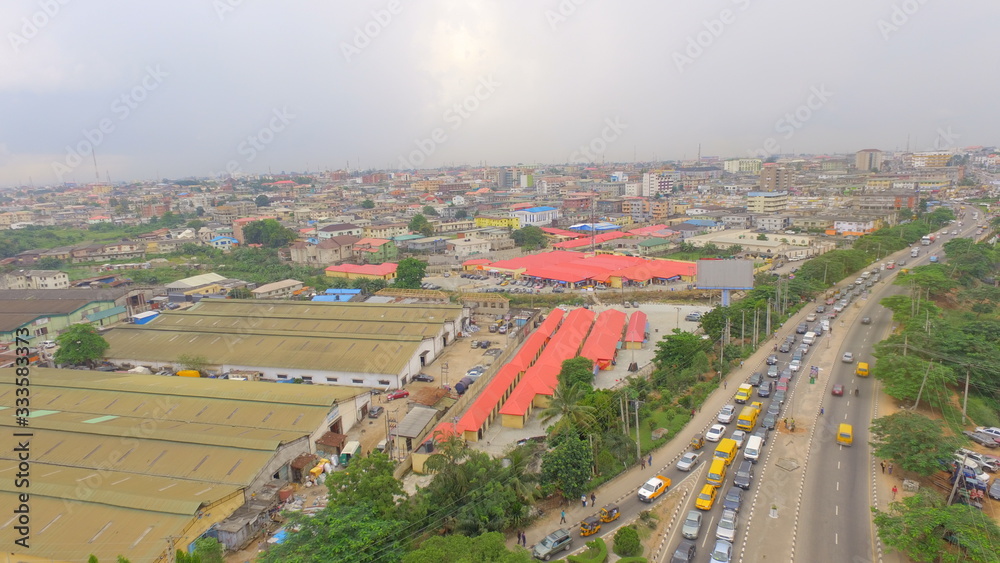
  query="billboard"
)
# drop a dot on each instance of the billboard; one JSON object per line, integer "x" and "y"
{"x": 724, "y": 274}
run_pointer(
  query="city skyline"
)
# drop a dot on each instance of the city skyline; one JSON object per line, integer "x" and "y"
{"x": 234, "y": 87}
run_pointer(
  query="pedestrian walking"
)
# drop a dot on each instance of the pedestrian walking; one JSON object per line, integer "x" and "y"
{"x": 583, "y": 499}
{"x": 890, "y": 469}
{"x": 821, "y": 410}
{"x": 593, "y": 499}
{"x": 524, "y": 540}
{"x": 883, "y": 466}
{"x": 642, "y": 463}
{"x": 741, "y": 363}
{"x": 562, "y": 517}
{"x": 725, "y": 384}
{"x": 894, "y": 491}
{"x": 651, "y": 460}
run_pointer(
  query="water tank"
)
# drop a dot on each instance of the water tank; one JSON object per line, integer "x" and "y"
{"x": 463, "y": 384}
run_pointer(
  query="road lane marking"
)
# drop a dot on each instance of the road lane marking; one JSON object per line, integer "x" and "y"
{"x": 838, "y": 486}
{"x": 838, "y": 464}
{"x": 836, "y": 538}
{"x": 836, "y": 510}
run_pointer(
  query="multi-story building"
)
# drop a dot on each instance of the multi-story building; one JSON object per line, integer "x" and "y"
{"x": 767, "y": 202}
{"x": 468, "y": 247}
{"x": 278, "y": 290}
{"x": 333, "y": 250}
{"x": 35, "y": 279}
{"x": 386, "y": 231}
{"x": 773, "y": 223}
{"x": 855, "y": 227}
{"x": 887, "y": 200}
{"x": 453, "y": 226}
{"x": 868, "y": 159}
{"x": 497, "y": 221}
{"x": 743, "y": 166}
{"x": 340, "y": 229}
{"x": 375, "y": 250}
{"x": 537, "y": 216}
{"x": 775, "y": 178}
{"x": 658, "y": 183}
{"x": 929, "y": 159}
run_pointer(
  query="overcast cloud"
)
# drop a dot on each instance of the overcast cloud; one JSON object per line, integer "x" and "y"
{"x": 179, "y": 86}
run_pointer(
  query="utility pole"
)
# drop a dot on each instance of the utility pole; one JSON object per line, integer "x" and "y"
{"x": 958, "y": 474}
{"x": 921, "y": 391}
{"x": 768, "y": 321}
{"x": 965, "y": 399}
{"x": 638, "y": 448}
{"x": 171, "y": 553}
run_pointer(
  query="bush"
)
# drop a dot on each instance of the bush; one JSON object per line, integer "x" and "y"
{"x": 627, "y": 542}
{"x": 633, "y": 560}
{"x": 597, "y": 553}
{"x": 981, "y": 413}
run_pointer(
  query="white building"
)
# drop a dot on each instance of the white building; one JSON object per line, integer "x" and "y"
{"x": 278, "y": 290}
{"x": 537, "y": 216}
{"x": 469, "y": 247}
{"x": 743, "y": 166}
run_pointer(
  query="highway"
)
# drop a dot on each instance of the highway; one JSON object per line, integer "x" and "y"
{"x": 836, "y": 517}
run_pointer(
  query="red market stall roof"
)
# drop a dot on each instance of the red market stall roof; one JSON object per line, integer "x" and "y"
{"x": 648, "y": 231}
{"x": 477, "y": 262}
{"x": 562, "y": 232}
{"x": 636, "y": 331}
{"x": 536, "y": 260}
{"x": 602, "y": 344}
{"x": 489, "y": 399}
{"x": 542, "y": 377}
{"x": 365, "y": 269}
{"x": 575, "y": 267}
{"x": 657, "y": 269}
{"x": 582, "y": 242}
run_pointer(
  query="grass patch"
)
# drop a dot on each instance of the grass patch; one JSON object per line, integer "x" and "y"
{"x": 981, "y": 412}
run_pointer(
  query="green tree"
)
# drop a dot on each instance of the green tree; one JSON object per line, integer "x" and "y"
{"x": 567, "y": 467}
{"x": 420, "y": 224}
{"x": 917, "y": 525}
{"x": 240, "y": 293}
{"x": 368, "y": 204}
{"x": 369, "y": 483}
{"x": 368, "y": 286}
{"x": 486, "y": 548}
{"x": 461, "y": 214}
{"x": 761, "y": 236}
{"x": 262, "y": 201}
{"x": 337, "y": 533}
{"x": 913, "y": 441}
{"x": 530, "y": 237}
{"x": 269, "y": 233}
{"x": 627, "y": 542}
{"x": 566, "y": 405}
{"x": 80, "y": 344}
{"x": 182, "y": 556}
{"x": 193, "y": 361}
{"x": 428, "y": 210}
{"x": 932, "y": 277}
{"x": 577, "y": 371}
{"x": 903, "y": 377}
{"x": 195, "y": 224}
{"x": 410, "y": 273}
{"x": 676, "y": 350}
{"x": 50, "y": 263}
{"x": 209, "y": 550}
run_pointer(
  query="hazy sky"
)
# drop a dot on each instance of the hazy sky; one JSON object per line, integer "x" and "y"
{"x": 193, "y": 88}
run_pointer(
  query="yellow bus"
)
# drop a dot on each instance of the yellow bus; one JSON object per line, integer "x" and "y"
{"x": 744, "y": 393}
{"x": 748, "y": 418}
{"x": 726, "y": 450}
{"x": 717, "y": 473}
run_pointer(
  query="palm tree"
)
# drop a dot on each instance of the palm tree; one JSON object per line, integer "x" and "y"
{"x": 566, "y": 405}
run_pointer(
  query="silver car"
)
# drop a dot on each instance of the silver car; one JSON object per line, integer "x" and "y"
{"x": 692, "y": 525}
{"x": 726, "y": 530}
{"x": 688, "y": 461}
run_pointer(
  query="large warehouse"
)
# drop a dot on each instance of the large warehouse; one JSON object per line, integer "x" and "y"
{"x": 355, "y": 344}
{"x": 119, "y": 463}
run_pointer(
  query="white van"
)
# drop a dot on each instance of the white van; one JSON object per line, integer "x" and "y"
{"x": 751, "y": 451}
{"x": 809, "y": 338}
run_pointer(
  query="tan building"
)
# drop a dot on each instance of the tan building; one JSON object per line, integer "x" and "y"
{"x": 35, "y": 279}
{"x": 868, "y": 159}
{"x": 775, "y": 178}
{"x": 386, "y": 231}
{"x": 767, "y": 202}
{"x": 333, "y": 250}
{"x": 278, "y": 290}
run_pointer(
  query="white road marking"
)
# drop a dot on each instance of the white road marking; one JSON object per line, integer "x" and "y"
{"x": 836, "y": 539}
{"x": 836, "y": 510}
{"x": 838, "y": 485}
{"x": 838, "y": 464}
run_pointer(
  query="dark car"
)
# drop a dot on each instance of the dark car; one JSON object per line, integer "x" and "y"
{"x": 684, "y": 553}
{"x": 772, "y": 360}
{"x": 981, "y": 438}
{"x": 995, "y": 490}
{"x": 756, "y": 379}
{"x": 774, "y": 409}
{"x": 786, "y": 374}
{"x": 744, "y": 475}
{"x": 820, "y": 310}
{"x": 866, "y": 320}
{"x": 769, "y": 421}
{"x": 772, "y": 371}
{"x": 764, "y": 390}
{"x": 779, "y": 396}
{"x": 733, "y": 499}
{"x": 375, "y": 412}
{"x": 559, "y": 540}
{"x": 785, "y": 348}
{"x": 801, "y": 329}
{"x": 428, "y": 378}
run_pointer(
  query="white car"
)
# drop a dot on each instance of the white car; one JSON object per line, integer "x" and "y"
{"x": 992, "y": 431}
{"x": 848, "y": 358}
{"x": 715, "y": 433}
{"x": 726, "y": 530}
{"x": 739, "y": 437}
{"x": 688, "y": 461}
{"x": 727, "y": 414}
{"x": 795, "y": 365}
{"x": 811, "y": 317}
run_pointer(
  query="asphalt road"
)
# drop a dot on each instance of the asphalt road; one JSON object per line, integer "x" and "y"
{"x": 836, "y": 499}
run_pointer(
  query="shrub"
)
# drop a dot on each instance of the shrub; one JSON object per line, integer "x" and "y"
{"x": 597, "y": 553}
{"x": 627, "y": 542}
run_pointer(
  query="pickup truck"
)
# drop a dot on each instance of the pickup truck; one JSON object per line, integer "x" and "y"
{"x": 653, "y": 488}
